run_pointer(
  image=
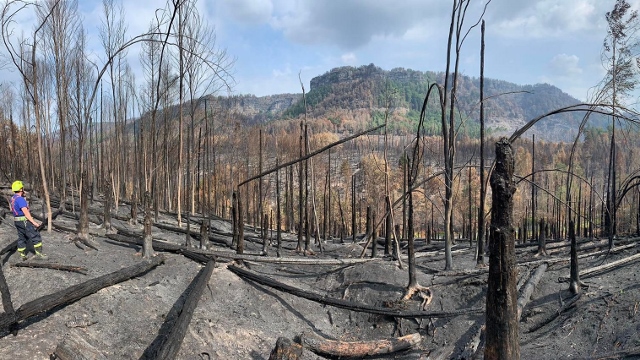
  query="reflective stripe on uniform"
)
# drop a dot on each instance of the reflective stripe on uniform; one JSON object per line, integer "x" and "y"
{"x": 20, "y": 218}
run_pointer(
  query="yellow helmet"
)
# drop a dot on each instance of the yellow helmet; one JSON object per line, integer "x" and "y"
{"x": 17, "y": 186}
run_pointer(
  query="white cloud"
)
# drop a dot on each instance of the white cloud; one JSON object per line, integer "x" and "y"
{"x": 351, "y": 24}
{"x": 565, "y": 65}
{"x": 349, "y": 58}
{"x": 249, "y": 11}
{"x": 547, "y": 18}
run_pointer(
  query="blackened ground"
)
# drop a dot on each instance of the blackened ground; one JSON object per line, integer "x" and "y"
{"x": 239, "y": 319}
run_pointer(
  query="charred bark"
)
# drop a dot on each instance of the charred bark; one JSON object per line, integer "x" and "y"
{"x": 502, "y": 324}
{"x": 76, "y": 292}
{"x": 343, "y": 304}
{"x": 147, "y": 246}
{"x": 172, "y": 340}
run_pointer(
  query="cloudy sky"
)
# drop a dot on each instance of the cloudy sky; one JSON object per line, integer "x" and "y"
{"x": 274, "y": 42}
{"x": 527, "y": 41}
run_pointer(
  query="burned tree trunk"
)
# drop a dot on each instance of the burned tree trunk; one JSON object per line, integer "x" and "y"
{"x": 108, "y": 204}
{"x": 83, "y": 224}
{"x": 278, "y": 213}
{"x": 502, "y": 323}
{"x": 575, "y": 285}
{"x": 7, "y": 305}
{"x": 78, "y": 291}
{"x": 147, "y": 246}
{"x": 134, "y": 207}
{"x": 234, "y": 218}
{"x": 170, "y": 342}
{"x": 542, "y": 240}
{"x": 204, "y": 233}
{"x": 240, "y": 244}
{"x": 388, "y": 227}
{"x": 265, "y": 232}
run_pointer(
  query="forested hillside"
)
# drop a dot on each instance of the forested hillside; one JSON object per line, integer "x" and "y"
{"x": 354, "y": 98}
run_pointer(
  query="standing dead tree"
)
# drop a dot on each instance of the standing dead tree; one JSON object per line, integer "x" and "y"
{"x": 502, "y": 324}
{"x": 28, "y": 67}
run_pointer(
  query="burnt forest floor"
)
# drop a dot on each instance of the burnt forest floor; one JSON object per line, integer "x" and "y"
{"x": 236, "y": 318}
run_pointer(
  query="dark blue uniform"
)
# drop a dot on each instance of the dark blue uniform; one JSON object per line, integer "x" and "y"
{"x": 27, "y": 233}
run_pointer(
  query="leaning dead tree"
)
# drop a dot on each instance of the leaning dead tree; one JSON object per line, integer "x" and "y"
{"x": 502, "y": 340}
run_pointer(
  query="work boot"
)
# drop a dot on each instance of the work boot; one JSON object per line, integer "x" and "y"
{"x": 23, "y": 254}
{"x": 39, "y": 254}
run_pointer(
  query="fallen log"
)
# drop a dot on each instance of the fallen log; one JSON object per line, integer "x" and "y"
{"x": 7, "y": 304}
{"x": 71, "y": 268}
{"x": 524, "y": 297}
{"x": 594, "y": 271}
{"x": 11, "y": 247}
{"x": 75, "y": 347}
{"x": 566, "y": 306}
{"x": 137, "y": 240}
{"x": 78, "y": 291}
{"x": 581, "y": 256}
{"x": 358, "y": 349}
{"x": 347, "y": 304}
{"x": 223, "y": 238}
{"x": 632, "y": 353}
{"x": 232, "y": 255}
{"x": 171, "y": 341}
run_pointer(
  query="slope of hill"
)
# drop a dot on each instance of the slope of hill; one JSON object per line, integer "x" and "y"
{"x": 370, "y": 90}
{"x": 235, "y": 317}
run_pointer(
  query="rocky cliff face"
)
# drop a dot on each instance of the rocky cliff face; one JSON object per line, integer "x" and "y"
{"x": 270, "y": 106}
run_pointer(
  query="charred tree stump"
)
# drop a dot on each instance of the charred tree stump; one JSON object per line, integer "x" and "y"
{"x": 78, "y": 291}
{"x": 358, "y": 349}
{"x": 172, "y": 340}
{"x": 286, "y": 350}
{"x": 502, "y": 340}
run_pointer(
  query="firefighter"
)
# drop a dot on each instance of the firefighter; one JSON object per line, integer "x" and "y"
{"x": 25, "y": 223}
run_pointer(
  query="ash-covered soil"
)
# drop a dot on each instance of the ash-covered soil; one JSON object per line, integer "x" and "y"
{"x": 240, "y": 319}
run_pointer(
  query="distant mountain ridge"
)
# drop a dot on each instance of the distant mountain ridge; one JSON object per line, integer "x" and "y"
{"x": 346, "y": 90}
